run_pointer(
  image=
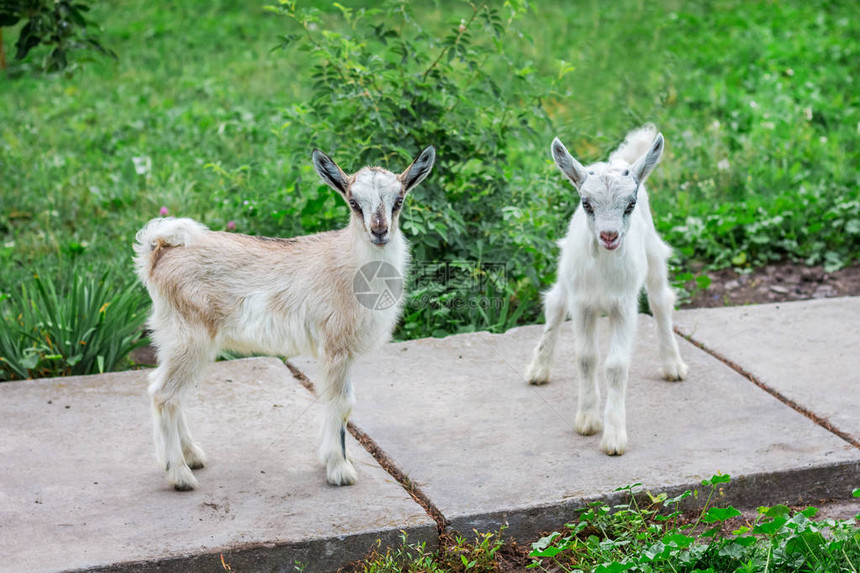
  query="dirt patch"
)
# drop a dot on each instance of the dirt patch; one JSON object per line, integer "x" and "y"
{"x": 780, "y": 282}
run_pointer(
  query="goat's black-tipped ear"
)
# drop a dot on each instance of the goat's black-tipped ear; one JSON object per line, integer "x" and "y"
{"x": 419, "y": 169}
{"x": 571, "y": 168}
{"x": 330, "y": 173}
{"x": 646, "y": 164}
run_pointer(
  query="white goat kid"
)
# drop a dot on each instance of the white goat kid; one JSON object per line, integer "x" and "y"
{"x": 610, "y": 252}
{"x": 214, "y": 290}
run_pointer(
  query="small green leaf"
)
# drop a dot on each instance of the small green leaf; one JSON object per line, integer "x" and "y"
{"x": 719, "y": 478}
{"x": 809, "y": 512}
{"x": 544, "y": 542}
{"x": 678, "y": 540}
{"x": 547, "y": 552}
{"x": 677, "y": 499}
{"x": 770, "y": 527}
{"x": 777, "y": 511}
{"x": 30, "y": 361}
{"x": 719, "y": 514}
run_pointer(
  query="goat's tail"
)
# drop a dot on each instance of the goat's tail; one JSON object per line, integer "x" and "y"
{"x": 159, "y": 234}
{"x": 635, "y": 144}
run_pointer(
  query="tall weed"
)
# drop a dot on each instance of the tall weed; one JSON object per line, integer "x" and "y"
{"x": 87, "y": 327}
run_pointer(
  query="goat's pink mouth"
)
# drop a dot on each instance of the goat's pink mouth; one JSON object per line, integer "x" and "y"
{"x": 611, "y": 246}
{"x": 378, "y": 241}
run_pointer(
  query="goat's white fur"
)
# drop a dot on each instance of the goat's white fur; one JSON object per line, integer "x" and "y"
{"x": 610, "y": 252}
{"x": 213, "y": 291}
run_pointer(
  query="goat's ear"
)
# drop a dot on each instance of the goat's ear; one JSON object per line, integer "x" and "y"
{"x": 330, "y": 173}
{"x": 646, "y": 164}
{"x": 571, "y": 168}
{"x": 419, "y": 169}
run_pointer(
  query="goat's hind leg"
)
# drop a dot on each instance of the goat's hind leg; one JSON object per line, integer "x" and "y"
{"x": 175, "y": 375}
{"x": 555, "y": 310}
{"x": 339, "y": 400}
{"x": 661, "y": 299}
{"x": 191, "y": 450}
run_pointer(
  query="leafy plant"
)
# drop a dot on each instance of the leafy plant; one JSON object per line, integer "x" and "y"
{"x": 646, "y": 539}
{"x": 88, "y": 328}
{"x": 649, "y": 534}
{"x": 60, "y": 24}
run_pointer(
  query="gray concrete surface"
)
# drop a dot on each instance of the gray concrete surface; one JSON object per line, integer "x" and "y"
{"x": 80, "y": 489}
{"x": 457, "y": 417}
{"x": 808, "y": 351}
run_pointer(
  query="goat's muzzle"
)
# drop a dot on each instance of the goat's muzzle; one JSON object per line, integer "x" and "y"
{"x": 609, "y": 240}
{"x": 379, "y": 235}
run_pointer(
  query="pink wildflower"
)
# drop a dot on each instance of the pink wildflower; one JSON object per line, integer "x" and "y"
{"x": 231, "y": 225}
{"x": 164, "y": 212}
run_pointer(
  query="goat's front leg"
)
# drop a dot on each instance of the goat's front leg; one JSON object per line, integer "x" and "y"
{"x": 661, "y": 299}
{"x": 555, "y": 309}
{"x": 622, "y": 324}
{"x": 339, "y": 400}
{"x": 585, "y": 340}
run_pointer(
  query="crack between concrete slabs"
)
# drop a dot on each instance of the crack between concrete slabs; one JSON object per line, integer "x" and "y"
{"x": 383, "y": 460}
{"x": 823, "y": 422}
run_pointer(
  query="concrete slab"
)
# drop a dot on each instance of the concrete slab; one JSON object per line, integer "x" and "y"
{"x": 808, "y": 351}
{"x": 80, "y": 489}
{"x": 458, "y": 418}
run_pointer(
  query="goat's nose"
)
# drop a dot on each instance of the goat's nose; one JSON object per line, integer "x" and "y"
{"x": 379, "y": 231}
{"x": 608, "y": 236}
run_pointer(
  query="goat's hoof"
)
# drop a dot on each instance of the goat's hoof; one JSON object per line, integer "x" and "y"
{"x": 675, "y": 370}
{"x": 194, "y": 457}
{"x": 538, "y": 380}
{"x": 537, "y": 375}
{"x": 588, "y": 423}
{"x": 614, "y": 443}
{"x": 341, "y": 472}
{"x": 181, "y": 478}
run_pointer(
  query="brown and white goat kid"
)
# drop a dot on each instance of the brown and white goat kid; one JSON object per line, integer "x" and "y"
{"x": 214, "y": 291}
{"x": 610, "y": 252}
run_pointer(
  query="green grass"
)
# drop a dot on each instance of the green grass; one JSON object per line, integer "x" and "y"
{"x": 758, "y": 101}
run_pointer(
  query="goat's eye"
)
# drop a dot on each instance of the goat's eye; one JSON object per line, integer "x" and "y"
{"x": 354, "y": 204}
{"x": 587, "y": 206}
{"x": 398, "y": 203}
{"x": 630, "y": 207}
